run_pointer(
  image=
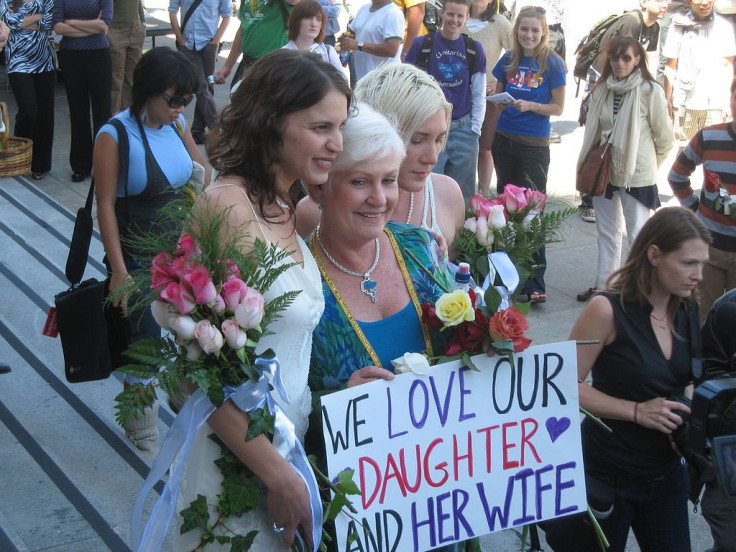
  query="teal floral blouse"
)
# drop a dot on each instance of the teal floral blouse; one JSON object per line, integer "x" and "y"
{"x": 337, "y": 351}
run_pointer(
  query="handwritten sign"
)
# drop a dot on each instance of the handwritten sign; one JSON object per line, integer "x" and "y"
{"x": 458, "y": 453}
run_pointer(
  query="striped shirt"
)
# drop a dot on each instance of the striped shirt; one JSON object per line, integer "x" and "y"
{"x": 714, "y": 147}
{"x": 83, "y": 9}
{"x": 29, "y": 51}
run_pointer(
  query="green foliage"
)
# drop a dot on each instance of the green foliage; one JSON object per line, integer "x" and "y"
{"x": 240, "y": 495}
{"x": 132, "y": 401}
{"x": 242, "y": 544}
{"x": 196, "y": 516}
{"x": 261, "y": 423}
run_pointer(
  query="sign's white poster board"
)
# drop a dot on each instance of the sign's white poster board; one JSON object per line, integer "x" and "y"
{"x": 459, "y": 453}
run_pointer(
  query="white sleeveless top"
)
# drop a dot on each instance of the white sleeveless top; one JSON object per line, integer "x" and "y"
{"x": 292, "y": 343}
{"x": 429, "y": 212}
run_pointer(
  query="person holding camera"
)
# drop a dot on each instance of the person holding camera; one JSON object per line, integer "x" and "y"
{"x": 641, "y": 361}
{"x": 719, "y": 360}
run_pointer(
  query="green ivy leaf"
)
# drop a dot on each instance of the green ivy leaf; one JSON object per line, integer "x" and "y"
{"x": 493, "y": 299}
{"x": 335, "y": 506}
{"x": 261, "y": 423}
{"x": 241, "y": 496}
{"x": 196, "y": 516}
{"x": 242, "y": 544}
{"x": 345, "y": 483}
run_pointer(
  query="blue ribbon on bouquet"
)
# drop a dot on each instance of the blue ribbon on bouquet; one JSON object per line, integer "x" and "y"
{"x": 499, "y": 264}
{"x": 178, "y": 441}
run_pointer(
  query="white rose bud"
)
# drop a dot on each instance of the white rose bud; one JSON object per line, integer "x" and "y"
{"x": 496, "y": 217}
{"x": 482, "y": 234}
{"x": 209, "y": 337}
{"x": 194, "y": 351}
{"x": 183, "y": 326}
{"x": 471, "y": 224}
{"x": 162, "y": 313}
{"x": 234, "y": 336}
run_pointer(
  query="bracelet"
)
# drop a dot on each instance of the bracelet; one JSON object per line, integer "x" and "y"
{"x": 539, "y": 108}
{"x": 636, "y": 408}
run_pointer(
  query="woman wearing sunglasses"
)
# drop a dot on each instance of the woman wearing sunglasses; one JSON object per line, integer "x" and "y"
{"x": 629, "y": 111}
{"x": 134, "y": 171}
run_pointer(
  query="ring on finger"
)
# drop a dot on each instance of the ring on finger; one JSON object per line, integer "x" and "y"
{"x": 278, "y": 529}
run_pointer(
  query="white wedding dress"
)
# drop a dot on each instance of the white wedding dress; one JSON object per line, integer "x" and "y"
{"x": 292, "y": 343}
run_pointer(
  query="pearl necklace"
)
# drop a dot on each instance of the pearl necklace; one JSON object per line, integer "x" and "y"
{"x": 663, "y": 323}
{"x": 411, "y": 207}
{"x": 367, "y": 286}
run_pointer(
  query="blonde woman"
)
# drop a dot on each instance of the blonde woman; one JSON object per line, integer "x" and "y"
{"x": 414, "y": 102}
{"x": 535, "y": 76}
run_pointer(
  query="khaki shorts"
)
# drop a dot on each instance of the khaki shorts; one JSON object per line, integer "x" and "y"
{"x": 689, "y": 121}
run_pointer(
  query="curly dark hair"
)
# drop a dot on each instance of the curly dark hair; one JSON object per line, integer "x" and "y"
{"x": 158, "y": 70}
{"x": 247, "y": 140}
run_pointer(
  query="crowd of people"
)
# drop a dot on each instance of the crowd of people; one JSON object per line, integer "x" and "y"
{"x": 350, "y": 143}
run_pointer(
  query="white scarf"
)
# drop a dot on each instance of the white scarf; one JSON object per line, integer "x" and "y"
{"x": 624, "y": 137}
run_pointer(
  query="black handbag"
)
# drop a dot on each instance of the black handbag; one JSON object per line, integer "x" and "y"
{"x": 93, "y": 334}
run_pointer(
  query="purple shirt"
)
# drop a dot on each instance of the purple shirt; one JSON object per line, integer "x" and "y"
{"x": 448, "y": 64}
{"x": 83, "y": 9}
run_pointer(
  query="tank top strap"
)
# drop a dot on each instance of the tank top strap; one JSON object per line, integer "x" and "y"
{"x": 429, "y": 211}
{"x": 247, "y": 200}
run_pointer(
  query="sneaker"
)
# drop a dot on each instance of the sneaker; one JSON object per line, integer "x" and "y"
{"x": 584, "y": 296}
{"x": 588, "y": 215}
{"x": 555, "y": 138}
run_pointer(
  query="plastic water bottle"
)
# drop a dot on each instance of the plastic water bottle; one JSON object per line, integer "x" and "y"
{"x": 462, "y": 277}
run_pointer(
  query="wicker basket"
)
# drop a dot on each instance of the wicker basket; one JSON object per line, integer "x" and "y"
{"x": 15, "y": 153}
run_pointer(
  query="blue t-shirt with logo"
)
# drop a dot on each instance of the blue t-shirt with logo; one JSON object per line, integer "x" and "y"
{"x": 528, "y": 84}
{"x": 448, "y": 64}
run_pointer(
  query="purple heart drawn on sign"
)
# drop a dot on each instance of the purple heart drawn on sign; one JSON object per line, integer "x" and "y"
{"x": 556, "y": 427}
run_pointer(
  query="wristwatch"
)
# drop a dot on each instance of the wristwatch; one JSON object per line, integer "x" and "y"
{"x": 360, "y": 45}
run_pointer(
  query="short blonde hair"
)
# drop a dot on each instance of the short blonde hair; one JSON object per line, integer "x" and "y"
{"x": 405, "y": 93}
{"x": 367, "y": 134}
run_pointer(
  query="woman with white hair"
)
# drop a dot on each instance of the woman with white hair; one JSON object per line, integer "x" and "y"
{"x": 372, "y": 283}
{"x": 414, "y": 102}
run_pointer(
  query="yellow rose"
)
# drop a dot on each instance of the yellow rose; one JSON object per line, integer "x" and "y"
{"x": 455, "y": 307}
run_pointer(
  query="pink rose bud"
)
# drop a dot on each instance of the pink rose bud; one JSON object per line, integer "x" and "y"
{"x": 219, "y": 304}
{"x": 233, "y": 292}
{"x": 479, "y": 204}
{"x": 201, "y": 285}
{"x": 161, "y": 273}
{"x": 181, "y": 266}
{"x": 188, "y": 246}
{"x": 183, "y": 326}
{"x": 209, "y": 338}
{"x": 234, "y": 336}
{"x": 535, "y": 199}
{"x": 514, "y": 198}
{"x": 250, "y": 311}
{"x": 179, "y": 296}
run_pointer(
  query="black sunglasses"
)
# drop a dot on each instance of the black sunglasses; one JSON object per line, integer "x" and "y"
{"x": 626, "y": 57}
{"x": 175, "y": 102}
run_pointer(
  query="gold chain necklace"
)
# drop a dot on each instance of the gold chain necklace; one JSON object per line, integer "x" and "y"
{"x": 349, "y": 315}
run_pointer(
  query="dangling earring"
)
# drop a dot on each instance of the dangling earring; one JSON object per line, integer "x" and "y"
{"x": 144, "y": 114}
{"x": 319, "y": 204}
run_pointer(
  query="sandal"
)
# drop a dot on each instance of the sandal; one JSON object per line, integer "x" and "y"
{"x": 584, "y": 296}
{"x": 533, "y": 297}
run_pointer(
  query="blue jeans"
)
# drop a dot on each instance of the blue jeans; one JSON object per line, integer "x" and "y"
{"x": 656, "y": 509}
{"x": 459, "y": 159}
{"x": 527, "y": 167}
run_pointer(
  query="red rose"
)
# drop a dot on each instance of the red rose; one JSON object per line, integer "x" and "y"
{"x": 469, "y": 336}
{"x": 510, "y": 324}
{"x": 711, "y": 182}
{"x": 429, "y": 317}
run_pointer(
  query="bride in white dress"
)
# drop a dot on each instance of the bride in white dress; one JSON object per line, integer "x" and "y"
{"x": 283, "y": 125}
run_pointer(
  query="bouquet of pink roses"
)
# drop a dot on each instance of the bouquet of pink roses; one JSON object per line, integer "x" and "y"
{"x": 514, "y": 222}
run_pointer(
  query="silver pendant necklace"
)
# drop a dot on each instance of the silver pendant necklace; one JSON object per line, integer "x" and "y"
{"x": 367, "y": 286}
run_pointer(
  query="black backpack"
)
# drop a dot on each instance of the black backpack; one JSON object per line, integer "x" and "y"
{"x": 589, "y": 47}
{"x": 426, "y": 50}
